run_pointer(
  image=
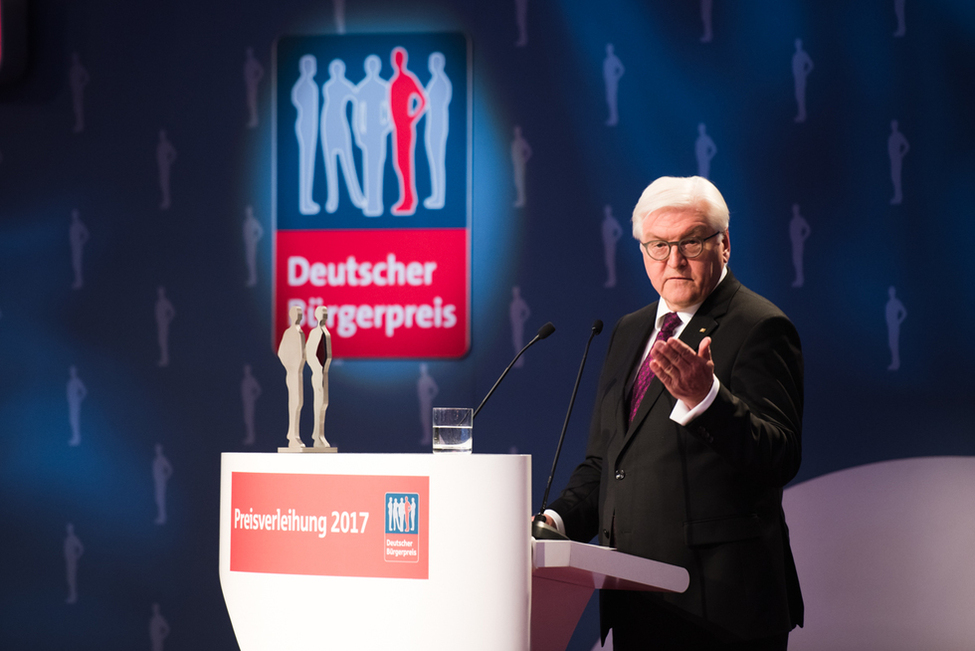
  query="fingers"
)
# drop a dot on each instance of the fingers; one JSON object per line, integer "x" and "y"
{"x": 704, "y": 350}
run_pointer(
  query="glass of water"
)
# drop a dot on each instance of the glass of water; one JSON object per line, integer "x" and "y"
{"x": 452, "y": 429}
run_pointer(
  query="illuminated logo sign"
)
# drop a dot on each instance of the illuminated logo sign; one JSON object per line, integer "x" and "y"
{"x": 372, "y": 190}
{"x": 329, "y": 525}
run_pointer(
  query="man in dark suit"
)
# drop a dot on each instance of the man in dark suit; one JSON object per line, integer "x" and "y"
{"x": 695, "y": 430}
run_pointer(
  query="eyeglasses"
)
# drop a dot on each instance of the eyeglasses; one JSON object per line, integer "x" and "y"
{"x": 689, "y": 247}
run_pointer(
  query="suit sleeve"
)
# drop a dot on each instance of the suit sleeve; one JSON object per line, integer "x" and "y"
{"x": 755, "y": 422}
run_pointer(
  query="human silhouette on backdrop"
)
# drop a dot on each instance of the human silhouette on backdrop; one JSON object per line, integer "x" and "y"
{"x": 253, "y": 73}
{"x": 78, "y": 236}
{"x": 897, "y": 148}
{"x": 802, "y": 65}
{"x": 438, "y": 92}
{"x": 339, "y": 11}
{"x": 799, "y": 232}
{"x": 407, "y": 104}
{"x": 901, "y": 23}
{"x": 161, "y": 472}
{"x": 318, "y": 355}
{"x": 611, "y": 232}
{"x": 73, "y": 551}
{"x": 518, "y": 312}
{"x": 704, "y": 151}
{"x": 78, "y": 78}
{"x": 612, "y": 72}
{"x": 252, "y": 232}
{"x": 77, "y": 392}
{"x": 165, "y": 313}
{"x": 371, "y": 130}
{"x": 337, "y": 136}
{"x": 250, "y": 391}
{"x": 521, "y": 152}
{"x": 706, "y": 10}
{"x": 158, "y": 629}
{"x": 895, "y": 313}
{"x": 291, "y": 352}
{"x": 165, "y": 157}
{"x": 304, "y": 97}
{"x": 426, "y": 391}
{"x": 521, "y": 22}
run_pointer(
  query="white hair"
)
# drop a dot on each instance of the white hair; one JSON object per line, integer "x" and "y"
{"x": 693, "y": 193}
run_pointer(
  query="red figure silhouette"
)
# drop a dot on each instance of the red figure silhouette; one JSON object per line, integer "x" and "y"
{"x": 406, "y": 103}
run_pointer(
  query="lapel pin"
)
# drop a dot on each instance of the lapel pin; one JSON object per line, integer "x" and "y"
{"x": 703, "y": 329}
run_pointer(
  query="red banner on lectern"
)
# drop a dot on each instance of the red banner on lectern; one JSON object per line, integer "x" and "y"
{"x": 330, "y": 525}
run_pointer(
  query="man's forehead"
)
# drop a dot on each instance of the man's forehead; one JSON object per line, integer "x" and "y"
{"x": 674, "y": 222}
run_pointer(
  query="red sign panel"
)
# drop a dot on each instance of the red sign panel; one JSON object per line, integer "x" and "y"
{"x": 330, "y": 525}
{"x": 389, "y": 293}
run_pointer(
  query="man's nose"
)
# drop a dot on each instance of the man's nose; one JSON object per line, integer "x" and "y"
{"x": 676, "y": 258}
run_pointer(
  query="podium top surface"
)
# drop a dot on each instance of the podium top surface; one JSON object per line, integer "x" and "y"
{"x": 598, "y": 567}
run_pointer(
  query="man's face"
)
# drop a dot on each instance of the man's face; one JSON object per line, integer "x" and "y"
{"x": 682, "y": 282}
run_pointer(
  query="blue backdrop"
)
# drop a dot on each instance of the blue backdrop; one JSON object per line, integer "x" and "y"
{"x": 882, "y": 299}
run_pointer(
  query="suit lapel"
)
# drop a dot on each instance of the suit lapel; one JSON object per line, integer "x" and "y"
{"x": 704, "y": 321}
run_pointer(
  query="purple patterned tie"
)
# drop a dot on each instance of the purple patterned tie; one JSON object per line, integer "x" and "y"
{"x": 645, "y": 376}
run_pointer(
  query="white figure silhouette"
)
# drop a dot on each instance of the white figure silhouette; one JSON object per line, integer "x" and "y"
{"x": 77, "y": 392}
{"x": 304, "y": 97}
{"x": 611, "y": 232}
{"x": 291, "y": 352}
{"x": 161, "y": 472}
{"x": 73, "y": 550}
{"x": 318, "y": 354}
{"x": 438, "y": 91}
{"x": 78, "y": 78}
{"x": 253, "y": 73}
{"x": 390, "y": 518}
{"x": 706, "y": 7}
{"x": 799, "y": 232}
{"x": 371, "y": 130}
{"x": 336, "y": 136}
{"x": 521, "y": 21}
{"x": 165, "y": 157}
{"x": 78, "y": 236}
{"x": 899, "y": 12}
{"x": 165, "y": 313}
{"x": 895, "y": 313}
{"x": 158, "y": 629}
{"x": 412, "y": 523}
{"x": 250, "y": 391}
{"x": 704, "y": 151}
{"x": 339, "y": 6}
{"x": 518, "y": 312}
{"x": 612, "y": 71}
{"x": 897, "y": 148}
{"x": 802, "y": 65}
{"x": 521, "y": 152}
{"x": 253, "y": 232}
{"x": 426, "y": 391}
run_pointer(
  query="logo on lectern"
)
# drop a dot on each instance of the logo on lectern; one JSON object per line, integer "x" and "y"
{"x": 402, "y": 526}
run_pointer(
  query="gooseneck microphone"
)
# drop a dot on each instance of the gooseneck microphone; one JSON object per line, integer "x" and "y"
{"x": 543, "y": 332}
{"x": 542, "y": 530}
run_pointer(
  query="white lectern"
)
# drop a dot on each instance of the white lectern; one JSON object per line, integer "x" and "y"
{"x": 382, "y": 551}
{"x": 565, "y": 573}
{"x": 419, "y": 551}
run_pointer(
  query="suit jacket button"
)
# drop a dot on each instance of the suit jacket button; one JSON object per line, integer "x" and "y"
{"x": 605, "y": 534}
{"x": 620, "y": 474}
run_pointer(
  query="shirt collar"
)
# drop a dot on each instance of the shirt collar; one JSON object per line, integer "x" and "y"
{"x": 687, "y": 313}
